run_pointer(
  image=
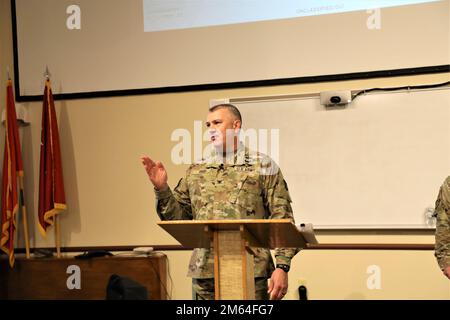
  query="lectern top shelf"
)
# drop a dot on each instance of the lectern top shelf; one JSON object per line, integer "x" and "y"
{"x": 270, "y": 233}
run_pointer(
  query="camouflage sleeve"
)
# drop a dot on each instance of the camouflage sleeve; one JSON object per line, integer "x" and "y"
{"x": 278, "y": 201}
{"x": 442, "y": 244}
{"x": 174, "y": 205}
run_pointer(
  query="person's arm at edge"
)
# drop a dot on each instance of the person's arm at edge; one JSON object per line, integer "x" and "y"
{"x": 442, "y": 236}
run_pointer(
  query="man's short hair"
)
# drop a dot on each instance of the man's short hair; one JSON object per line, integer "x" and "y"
{"x": 230, "y": 107}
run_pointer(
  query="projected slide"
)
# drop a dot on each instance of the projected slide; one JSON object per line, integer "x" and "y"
{"x": 162, "y": 15}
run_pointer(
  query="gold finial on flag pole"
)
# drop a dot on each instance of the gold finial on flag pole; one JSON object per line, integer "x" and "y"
{"x": 47, "y": 73}
{"x": 7, "y": 73}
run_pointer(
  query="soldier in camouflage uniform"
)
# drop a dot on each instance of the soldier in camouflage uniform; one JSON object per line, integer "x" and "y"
{"x": 232, "y": 183}
{"x": 442, "y": 248}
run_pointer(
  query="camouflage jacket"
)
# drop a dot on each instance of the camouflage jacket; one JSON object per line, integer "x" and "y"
{"x": 247, "y": 185}
{"x": 442, "y": 247}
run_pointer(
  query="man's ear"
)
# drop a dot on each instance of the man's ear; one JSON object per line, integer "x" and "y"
{"x": 236, "y": 124}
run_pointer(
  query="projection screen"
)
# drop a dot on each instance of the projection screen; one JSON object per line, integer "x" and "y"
{"x": 109, "y": 46}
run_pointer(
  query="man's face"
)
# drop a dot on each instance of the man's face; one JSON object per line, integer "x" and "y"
{"x": 222, "y": 124}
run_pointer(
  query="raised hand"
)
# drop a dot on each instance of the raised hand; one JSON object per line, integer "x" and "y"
{"x": 156, "y": 172}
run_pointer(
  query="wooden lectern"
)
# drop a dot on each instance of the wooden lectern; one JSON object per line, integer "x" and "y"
{"x": 231, "y": 241}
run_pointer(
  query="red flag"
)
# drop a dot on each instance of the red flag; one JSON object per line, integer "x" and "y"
{"x": 12, "y": 168}
{"x": 51, "y": 187}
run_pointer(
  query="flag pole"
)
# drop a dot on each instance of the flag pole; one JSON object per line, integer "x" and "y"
{"x": 24, "y": 218}
{"x": 57, "y": 237}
